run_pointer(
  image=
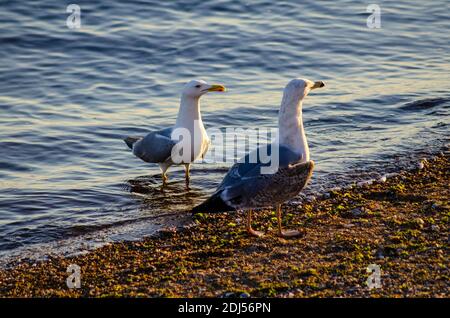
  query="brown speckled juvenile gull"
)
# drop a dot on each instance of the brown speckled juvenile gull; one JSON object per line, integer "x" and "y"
{"x": 246, "y": 187}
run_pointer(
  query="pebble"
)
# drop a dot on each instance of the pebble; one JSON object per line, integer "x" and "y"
{"x": 356, "y": 212}
{"x": 364, "y": 183}
{"x": 379, "y": 254}
{"x": 419, "y": 222}
{"x": 435, "y": 206}
{"x": 422, "y": 163}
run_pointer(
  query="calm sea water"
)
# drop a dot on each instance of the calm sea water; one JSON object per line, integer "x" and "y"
{"x": 68, "y": 97}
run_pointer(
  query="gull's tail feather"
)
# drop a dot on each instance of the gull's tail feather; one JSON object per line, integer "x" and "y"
{"x": 214, "y": 204}
{"x": 131, "y": 140}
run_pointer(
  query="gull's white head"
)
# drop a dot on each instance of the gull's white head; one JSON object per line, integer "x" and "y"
{"x": 290, "y": 121}
{"x": 298, "y": 88}
{"x": 197, "y": 88}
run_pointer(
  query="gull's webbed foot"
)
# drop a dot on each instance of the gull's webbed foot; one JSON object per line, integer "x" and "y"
{"x": 252, "y": 232}
{"x": 289, "y": 233}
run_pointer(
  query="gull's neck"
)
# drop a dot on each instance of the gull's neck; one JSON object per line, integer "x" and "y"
{"x": 290, "y": 126}
{"x": 189, "y": 112}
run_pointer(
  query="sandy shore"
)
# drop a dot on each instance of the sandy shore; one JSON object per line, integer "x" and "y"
{"x": 400, "y": 225}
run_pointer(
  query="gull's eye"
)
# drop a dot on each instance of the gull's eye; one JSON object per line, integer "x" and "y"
{"x": 198, "y": 86}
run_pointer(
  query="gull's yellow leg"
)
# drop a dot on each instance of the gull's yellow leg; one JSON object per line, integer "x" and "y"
{"x": 288, "y": 233}
{"x": 164, "y": 167}
{"x": 249, "y": 225}
{"x": 187, "y": 175}
{"x": 164, "y": 178}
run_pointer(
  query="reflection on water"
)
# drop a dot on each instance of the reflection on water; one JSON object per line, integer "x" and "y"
{"x": 173, "y": 196}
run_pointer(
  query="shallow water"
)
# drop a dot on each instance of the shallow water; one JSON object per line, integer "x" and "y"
{"x": 68, "y": 97}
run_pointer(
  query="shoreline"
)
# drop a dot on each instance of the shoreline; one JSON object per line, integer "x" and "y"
{"x": 400, "y": 224}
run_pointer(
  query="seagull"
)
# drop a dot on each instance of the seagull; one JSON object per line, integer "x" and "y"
{"x": 246, "y": 186}
{"x": 161, "y": 146}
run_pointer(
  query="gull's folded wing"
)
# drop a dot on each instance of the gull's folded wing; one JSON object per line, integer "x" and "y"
{"x": 244, "y": 185}
{"x": 155, "y": 147}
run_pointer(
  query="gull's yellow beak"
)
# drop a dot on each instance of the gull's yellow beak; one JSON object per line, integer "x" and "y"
{"x": 318, "y": 84}
{"x": 217, "y": 88}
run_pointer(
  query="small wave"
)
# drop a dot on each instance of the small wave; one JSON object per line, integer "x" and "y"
{"x": 424, "y": 104}
{"x": 88, "y": 240}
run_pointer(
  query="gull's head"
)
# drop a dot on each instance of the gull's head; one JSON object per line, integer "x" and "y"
{"x": 299, "y": 88}
{"x": 197, "y": 88}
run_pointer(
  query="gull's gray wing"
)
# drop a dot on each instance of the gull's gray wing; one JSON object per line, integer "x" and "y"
{"x": 269, "y": 189}
{"x": 244, "y": 186}
{"x": 155, "y": 147}
{"x": 248, "y": 167}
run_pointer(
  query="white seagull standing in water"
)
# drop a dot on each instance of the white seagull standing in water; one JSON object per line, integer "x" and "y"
{"x": 245, "y": 187}
{"x": 157, "y": 146}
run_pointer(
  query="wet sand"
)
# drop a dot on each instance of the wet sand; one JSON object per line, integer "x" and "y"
{"x": 401, "y": 225}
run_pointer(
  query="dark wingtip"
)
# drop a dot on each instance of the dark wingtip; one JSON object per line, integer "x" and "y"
{"x": 130, "y": 141}
{"x": 201, "y": 208}
{"x": 195, "y": 210}
{"x": 214, "y": 204}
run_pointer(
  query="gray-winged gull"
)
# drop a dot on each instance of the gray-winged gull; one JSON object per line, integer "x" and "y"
{"x": 160, "y": 146}
{"x": 245, "y": 187}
